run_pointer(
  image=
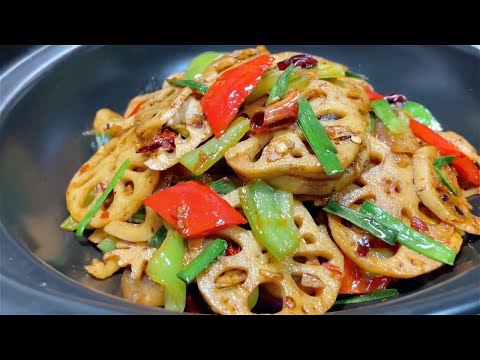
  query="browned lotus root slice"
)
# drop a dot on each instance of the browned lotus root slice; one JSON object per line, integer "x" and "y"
{"x": 172, "y": 106}
{"x": 229, "y": 61}
{"x": 135, "y": 232}
{"x": 109, "y": 122}
{"x": 136, "y": 256}
{"x": 454, "y": 210}
{"x": 286, "y": 153}
{"x": 302, "y": 186}
{"x": 405, "y": 142}
{"x": 227, "y": 283}
{"x": 136, "y": 183}
{"x": 102, "y": 270}
{"x": 391, "y": 188}
{"x": 353, "y": 90}
{"x": 142, "y": 291}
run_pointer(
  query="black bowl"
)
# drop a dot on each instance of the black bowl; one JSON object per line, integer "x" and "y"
{"x": 49, "y": 96}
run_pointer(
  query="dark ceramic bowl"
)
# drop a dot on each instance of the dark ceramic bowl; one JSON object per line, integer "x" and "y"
{"x": 49, "y": 95}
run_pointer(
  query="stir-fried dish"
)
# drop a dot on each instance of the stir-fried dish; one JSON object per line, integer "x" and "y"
{"x": 271, "y": 183}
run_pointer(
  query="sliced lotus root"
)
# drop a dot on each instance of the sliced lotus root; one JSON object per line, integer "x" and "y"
{"x": 136, "y": 183}
{"x": 142, "y": 291}
{"x": 136, "y": 257}
{"x": 135, "y": 232}
{"x": 306, "y": 287}
{"x": 228, "y": 61}
{"x": 172, "y": 106}
{"x": 287, "y": 153}
{"x": 109, "y": 122}
{"x": 303, "y": 186}
{"x": 450, "y": 208}
{"x": 391, "y": 188}
{"x": 198, "y": 133}
{"x": 352, "y": 89}
{"x": 462, "y": 145}
{"x": 102, "y": 270}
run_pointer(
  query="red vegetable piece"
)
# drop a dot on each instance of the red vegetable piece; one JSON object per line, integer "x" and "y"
{"x": 137, "y": 108}
{"x": 224, "y": 98}
{"x": 355, "y": 282}
{"x": 194, "y": 209}
{"x": 165, "y": 140}
{"x": 278, "y": 115}
{"x": 462, "y": 163}
{"x": 418, "y": 224}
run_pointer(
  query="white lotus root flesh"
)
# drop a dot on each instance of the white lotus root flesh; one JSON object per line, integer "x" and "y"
{"x": 391, "y": 187}
{"x": 286, "y": 152}
{"x": 136, "y": 183}
{"x": 227, "y": 284}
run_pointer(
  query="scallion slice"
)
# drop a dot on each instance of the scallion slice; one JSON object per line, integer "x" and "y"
{"x": 138, "y": 217}
{"x": 318, "y": 139}
{"x": 223, "y": 186}
{"x": 157, "y": 240}
{"x": 93, "y": 210}
{"x": 377, "y": 295}
{"x": 189, "y": 83}
{"x": 70, "y": 224}
{"x": 355, "y": 75}
{"x": 208, "y": 255}
{"x": 409, "y": 237}
{"x": 279, "y": 89}
{"x": 107, "y": 244}
{"x": 387, "y": 116}
{"x": 437, "y": 164}
{"x": 422, "y": 115}
{"x": 364, "y": 222}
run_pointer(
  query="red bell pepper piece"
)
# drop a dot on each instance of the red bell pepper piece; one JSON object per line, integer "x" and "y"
{"x": 137, "y": 108}
{"x": 194, "y": 209}
{"x": 462, "y": 163}
{"x": 355, "y": 282}
{"x": 224, "y": 98}
{"x": 372, "y": 95}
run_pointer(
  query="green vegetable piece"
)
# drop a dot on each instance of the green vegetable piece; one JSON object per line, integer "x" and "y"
{"x": 364, "y": 222}
{"x": 223, "y": 186}
{"x": 163, "y": 267}
{"x": 270, "y": 214}
{"x": 93, "y": 210}
{"x": 158, "y": 238}
{"x": 387, "y": 116}
{"x": 69, "y": 224}
{"x": 328, "y": 71}
{"x": 409, "y": 237}
{"x": 253, "y": 298}
{"x": 377, "y": 295}
{"x": 107, "y": 244}
{"x": 437, "y": 164}
{"x": 356, "y": 75}
{"x": 318, "y": 139}
{"x": 138, "y": 217}
{"x": 199, "y": 63}
{"x": 279, "y": 89}
{"x": 422, "y": 115}
{"x": 189, "y": 83}
{"x": 208, "y": 255}
{"x": 204, "y": 157}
